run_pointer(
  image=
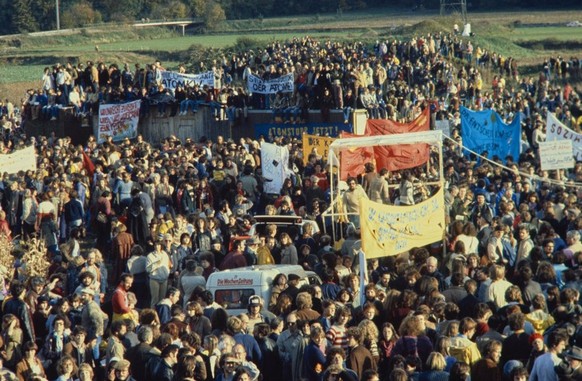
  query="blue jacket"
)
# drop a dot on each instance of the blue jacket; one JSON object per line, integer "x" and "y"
{"x": 313, "y": 361}
{"x": 254, "y": 353}
{"x": 164, "y": 310}
{"x": 74, "y": 210}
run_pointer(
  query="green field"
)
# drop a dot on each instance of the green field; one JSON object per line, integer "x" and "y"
{"x": 561, "y": 33}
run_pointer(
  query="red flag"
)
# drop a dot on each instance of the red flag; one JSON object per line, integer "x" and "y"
{"x": 88, "y": 165}
{"x": 401, "y": 156}
{"x": 389, "y": 127}
{"x": 353, "y": 160}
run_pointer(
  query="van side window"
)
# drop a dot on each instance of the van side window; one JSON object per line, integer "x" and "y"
{"x": 233, "y": 298}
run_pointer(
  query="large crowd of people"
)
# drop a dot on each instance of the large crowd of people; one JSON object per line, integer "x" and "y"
{"x": 134, "y": 230}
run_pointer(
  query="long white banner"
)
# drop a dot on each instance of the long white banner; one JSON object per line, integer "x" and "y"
{"x": 21, "y": 160}
{"x": 118, "y": 120}
{"x": 272, "y": 86}
{"x": 556, "y": 130}
{"x": 172, "y": 79}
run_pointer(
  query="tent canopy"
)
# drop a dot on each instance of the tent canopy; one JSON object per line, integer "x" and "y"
{"x": 429, "y": 137}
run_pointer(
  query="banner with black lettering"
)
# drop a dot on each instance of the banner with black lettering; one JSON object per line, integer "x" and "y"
{"x": 283, "y": 84}
{"x": 172, "y": 79}
{"x": 556, "y": 130}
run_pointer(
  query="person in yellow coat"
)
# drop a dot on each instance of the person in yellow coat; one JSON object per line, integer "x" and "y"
{"x": 264, "y": 256}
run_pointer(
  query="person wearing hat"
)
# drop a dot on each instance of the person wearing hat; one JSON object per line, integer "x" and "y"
{"x": 536, "y": 340}
{"x": 217, "y": 253}
{"x": 292, "y": 290}
{"x": 571, "y": 369}
{"x": 481, "y": 207}
{"x": 256, "y": 314}
{"x": 122, "y": 371}
{"x": 251, "y": 248}
{"x": 92, "y": 317}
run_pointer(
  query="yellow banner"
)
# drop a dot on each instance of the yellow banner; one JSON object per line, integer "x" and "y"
{"x": 320, "y": 143}
{"x": 391, "y": 229}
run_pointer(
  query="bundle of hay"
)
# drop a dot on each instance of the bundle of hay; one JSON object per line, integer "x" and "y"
{"x": 8, "y": 253}
{"x": 34, "y": 260}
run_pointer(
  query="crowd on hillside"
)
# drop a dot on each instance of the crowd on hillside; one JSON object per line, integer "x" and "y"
{"x": 133, "y": 231}
{"x": 387, "y": 80}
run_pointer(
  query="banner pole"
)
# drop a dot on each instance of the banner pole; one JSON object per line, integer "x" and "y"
{"x": 363, "y": 274}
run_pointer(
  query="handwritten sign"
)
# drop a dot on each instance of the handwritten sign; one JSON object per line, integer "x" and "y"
{"x": 118, "y": 120}
{"x": 319, "y": 143}
{"x": 21, "y": 160}
{"x": 390, "y": 230}
{"x": 172, "y": 79}
{"x": 283, "y": 84}
{"x": 558, "y": 154}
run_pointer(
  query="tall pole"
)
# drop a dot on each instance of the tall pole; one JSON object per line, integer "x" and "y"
{"x": 58, "y": 20}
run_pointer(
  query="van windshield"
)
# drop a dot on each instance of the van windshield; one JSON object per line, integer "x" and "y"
{"x": 233, "y": 299}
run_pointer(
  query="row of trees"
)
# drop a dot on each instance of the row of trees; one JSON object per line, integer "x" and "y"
{"x": 22, "y": 16}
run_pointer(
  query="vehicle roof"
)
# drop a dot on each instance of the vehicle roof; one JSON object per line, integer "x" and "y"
{"x": 291, "y": 220}
{"x": 280, "y": 268}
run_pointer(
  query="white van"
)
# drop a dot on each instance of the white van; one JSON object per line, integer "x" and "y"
{"x": 232, "y": 288}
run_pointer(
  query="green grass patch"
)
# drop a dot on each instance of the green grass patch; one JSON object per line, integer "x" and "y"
{"x": 20, "y": 73}
{"x": 540, "y": 33}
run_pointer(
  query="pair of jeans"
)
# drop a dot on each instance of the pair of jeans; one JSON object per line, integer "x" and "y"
{"x": 158, "y": 290}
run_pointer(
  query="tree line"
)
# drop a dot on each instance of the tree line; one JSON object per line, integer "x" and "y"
{"x": 24, "y": 16}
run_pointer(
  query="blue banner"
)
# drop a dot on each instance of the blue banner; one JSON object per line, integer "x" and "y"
{"x": 486, "y": 131}
{"x": 273, "y": 130}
